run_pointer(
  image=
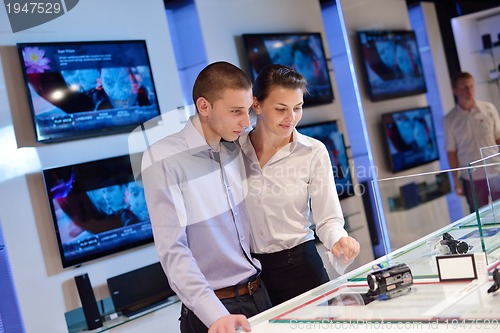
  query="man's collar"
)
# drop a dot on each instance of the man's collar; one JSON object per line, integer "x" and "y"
{"x": 196, "y": 141}
{"x": 465, "y": 110}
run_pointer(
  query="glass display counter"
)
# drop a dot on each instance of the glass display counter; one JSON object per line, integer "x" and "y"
{"x": 418, "y": 229}
{"x": 486, "y": 193}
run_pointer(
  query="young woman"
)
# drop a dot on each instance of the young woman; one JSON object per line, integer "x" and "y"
{"x": 290, "y": 180}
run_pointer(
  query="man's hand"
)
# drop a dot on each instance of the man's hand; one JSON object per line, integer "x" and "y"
{"x": 459, "y": 187}
{"x": 229, "y": 324}
{"x": 347, "y": 246}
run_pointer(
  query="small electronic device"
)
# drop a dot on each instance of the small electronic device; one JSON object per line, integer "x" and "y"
{"x": 390, "y": 282}
{"x": 89, "y": 305}
{"x": 454, "y": 246}
{"x": 139, "y": 290}
{"x": 496, "y": 279}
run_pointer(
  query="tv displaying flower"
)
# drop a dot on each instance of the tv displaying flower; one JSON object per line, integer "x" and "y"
{"x": 35, "y": 61}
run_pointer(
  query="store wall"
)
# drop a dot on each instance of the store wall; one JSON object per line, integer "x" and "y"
{"x": 439, "y": 93}
{"x": 45, "y": 290}
{"x": 411, "y": 224}
{"x": 223, "y": 40}
{"x": 467, "y": 31}
{"x": 188, "y": 44}
{"x": 10, "y": 315}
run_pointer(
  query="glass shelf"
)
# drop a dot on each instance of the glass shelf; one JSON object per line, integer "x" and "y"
{"x": 75, "y": 319}
{"x": 490, "y": 50}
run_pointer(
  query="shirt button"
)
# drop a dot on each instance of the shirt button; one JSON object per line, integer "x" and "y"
{"x": 242, "y": 238}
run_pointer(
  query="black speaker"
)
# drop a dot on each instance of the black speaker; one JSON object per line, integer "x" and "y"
{"x": 486, "y": 41}
{"x": 409, "y": 193}
{"x": 89, "y": 305}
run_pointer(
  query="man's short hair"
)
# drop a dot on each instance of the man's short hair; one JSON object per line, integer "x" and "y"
{"x": 214, "y": 79}
{"x": 458, "y": 77}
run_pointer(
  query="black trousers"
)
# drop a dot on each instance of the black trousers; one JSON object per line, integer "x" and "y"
{"x": 482, "y": 193}
{"x": 292, "y": 272}
{"x": 246, "y": 305}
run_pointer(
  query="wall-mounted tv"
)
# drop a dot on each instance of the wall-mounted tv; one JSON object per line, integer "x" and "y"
{"x": 302, "y": 51}
{"x": 97, "y": 209}
{"x": 410, "y": 138}
{"x": 391, "y": 63}
{"x": 84, "y": 89}
{"x": 328, "y": 133}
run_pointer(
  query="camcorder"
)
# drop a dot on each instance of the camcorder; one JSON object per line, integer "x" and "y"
{"x": 390, "y": 282}
{"x": 455, "y": 246}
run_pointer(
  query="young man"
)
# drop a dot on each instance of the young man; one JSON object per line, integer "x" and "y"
{"x": 192, "y": 184}
{"x": 472, "y": 124}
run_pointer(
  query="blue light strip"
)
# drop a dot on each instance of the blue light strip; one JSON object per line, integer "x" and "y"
{"x": 376, "y": 190}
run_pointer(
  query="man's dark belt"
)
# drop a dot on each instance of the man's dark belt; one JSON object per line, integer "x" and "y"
{"x": 248, "y": 288}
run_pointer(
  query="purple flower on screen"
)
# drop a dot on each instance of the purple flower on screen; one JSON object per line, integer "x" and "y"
{"x": 34, "y": 60}
{"x": 62, "y": 189}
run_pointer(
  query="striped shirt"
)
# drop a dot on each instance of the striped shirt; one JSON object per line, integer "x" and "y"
{"x": 200, "y": 223}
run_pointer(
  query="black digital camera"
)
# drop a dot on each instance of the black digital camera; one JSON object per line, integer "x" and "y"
{"x": 390, "y": 282}
{"x": 455, "y": 246}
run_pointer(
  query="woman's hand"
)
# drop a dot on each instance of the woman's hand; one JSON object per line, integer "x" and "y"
{"x": 346, "y": 246}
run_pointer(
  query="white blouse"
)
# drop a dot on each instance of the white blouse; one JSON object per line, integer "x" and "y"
{"x": 293, "y": 190}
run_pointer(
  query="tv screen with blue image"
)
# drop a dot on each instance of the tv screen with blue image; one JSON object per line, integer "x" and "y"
{"x": 333, "y": 139}
{"x": 410, "y": 138}
{"x": 391, "y": 63}
{"x": 302, "y": 51}
{"x": 97, "y": 209}
{"x": 85, "y": 89}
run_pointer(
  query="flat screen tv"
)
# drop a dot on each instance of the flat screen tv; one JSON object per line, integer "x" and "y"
{"x": 410, "y": 138}
{"x": 391, "y": 63}
{"x": 302, "y": 51}
{"x": 85, "y": 89}
{"x": 97, "y": 209}
{"x": 328, "y": 133}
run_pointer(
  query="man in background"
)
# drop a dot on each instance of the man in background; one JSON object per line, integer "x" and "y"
{"x": 468, "y": 127}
